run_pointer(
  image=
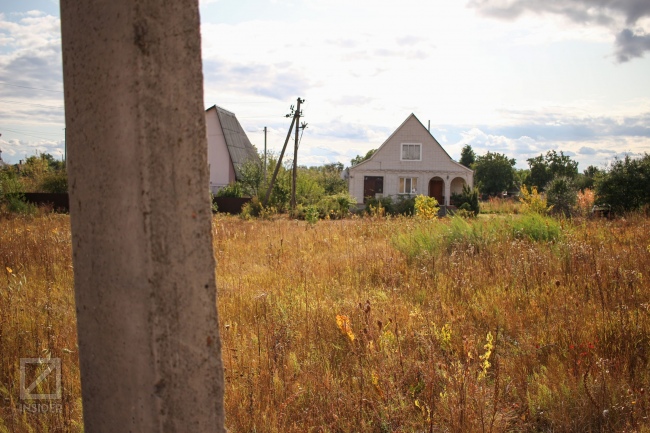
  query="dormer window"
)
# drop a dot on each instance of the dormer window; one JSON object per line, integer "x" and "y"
{"x": 411, "y": 152}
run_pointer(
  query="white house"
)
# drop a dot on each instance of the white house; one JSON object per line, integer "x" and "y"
{"x": 228, "y": 147}
{"x": 410, "y": 162}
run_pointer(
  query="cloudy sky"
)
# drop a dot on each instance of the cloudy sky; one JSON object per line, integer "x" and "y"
{"x": 518, "y": 77}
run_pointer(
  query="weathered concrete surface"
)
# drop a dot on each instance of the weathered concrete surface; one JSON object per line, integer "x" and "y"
{"x": 140, "y": 213}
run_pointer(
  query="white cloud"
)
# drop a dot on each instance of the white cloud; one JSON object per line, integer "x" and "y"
{"x": 623, "y": 18}
{"x": 540, "y": 80}
{"x": 31, "y": 97}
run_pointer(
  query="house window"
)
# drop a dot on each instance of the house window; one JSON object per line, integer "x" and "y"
{"x": 411, "y": 152}
{"x": 408, "y": 185}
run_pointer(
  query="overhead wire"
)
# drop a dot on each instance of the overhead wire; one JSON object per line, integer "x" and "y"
{"x": 27, "y": 87}
{"x": 300, "y": 139}
{"x": 29, "y": 135}
{"x": 31, "y": 103}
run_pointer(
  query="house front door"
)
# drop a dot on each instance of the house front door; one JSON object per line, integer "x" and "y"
{"x": 372, "y": 185}
{"x": 436, "y": 187}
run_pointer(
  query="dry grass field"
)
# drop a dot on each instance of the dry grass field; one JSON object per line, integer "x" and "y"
{"x": 502, "y": 323}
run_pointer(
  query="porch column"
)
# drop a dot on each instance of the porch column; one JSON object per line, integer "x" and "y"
{"x": 145, "y": 291}
{"x": 447, "y": 181}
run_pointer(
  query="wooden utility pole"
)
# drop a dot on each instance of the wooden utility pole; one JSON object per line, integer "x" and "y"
{"x": 265, "y": 153}
{"x": 279, "y": 163}
{"x": 295, "y": 158}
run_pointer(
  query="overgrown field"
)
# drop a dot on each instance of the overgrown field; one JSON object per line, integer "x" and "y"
{"x": 502, "y": 323}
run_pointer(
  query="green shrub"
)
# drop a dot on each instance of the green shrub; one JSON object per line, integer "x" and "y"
{"x": 535, "y": 227}
{"x": 213, "y": 203}
{"x": 311, "y": 215}
{"x": 55, "y": 182}
{"x": 532, "y": 201}
{"x": 468, "y": 200}
{"x": 373, "y": 205}
{"x": 465, "y": 211}
{"x": 474, "y": 234}
{"x": 625, "y": 184}
{"x": 281, "y": 193}
{"x": 335, "y": 206}
{"x": 562, "y": 195}
{"x": 255, "y": 209}
{"x": 11, "y": 194}
{"x": 426, "y": 207}
{"x": 404, "y": 205}
{"x": 15, "y": 203}
{"x": 232, "y": 190}
{"x": 252, "y": 209}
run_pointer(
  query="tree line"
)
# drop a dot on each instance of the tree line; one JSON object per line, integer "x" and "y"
{"x": 622, "y": 186}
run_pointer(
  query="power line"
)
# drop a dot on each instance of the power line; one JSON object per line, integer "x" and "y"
{"x": 29, "y": 132}
{"x": 269, "y": 116}
{"x": 32, "y": 88}
{"x": 249, "y": 102}
{"x": 303, "y": 126}
{"x": 29, "y": 135}
{"x": 31, "y": 103}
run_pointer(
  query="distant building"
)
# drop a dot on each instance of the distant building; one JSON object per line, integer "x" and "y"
{"x": 228, "y": 147}
{"x": 410, "y": 162}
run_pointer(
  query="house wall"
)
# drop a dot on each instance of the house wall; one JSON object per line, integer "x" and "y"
{"x": 387, "y": 162}
{"x": 222, "y": 172}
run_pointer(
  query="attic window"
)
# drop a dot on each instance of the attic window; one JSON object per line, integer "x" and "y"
{"x": 411, "y": 152}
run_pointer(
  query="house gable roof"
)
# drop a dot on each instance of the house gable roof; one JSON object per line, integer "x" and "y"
{"x": 239, "y": 146}
{"x": 397, "y": 130}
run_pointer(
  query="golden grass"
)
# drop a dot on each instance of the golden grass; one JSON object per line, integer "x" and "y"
{"x": 497, "y": 205}
{"x": 332, "y": 329}
{"x": 37, "y": 320}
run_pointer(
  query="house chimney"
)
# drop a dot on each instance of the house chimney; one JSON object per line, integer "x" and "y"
{"x": 429, "y": 127}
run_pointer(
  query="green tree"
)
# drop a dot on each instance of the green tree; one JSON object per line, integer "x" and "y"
{"x": 11, "y": 192}
{"x": 328, "y": 176}
{"x": 281, "y": 192}
{"x": 587, "y": 179}
{"x": 625, "y": 186}
{"x": 251, "y": 178}
{"x": 52, "y": 163}
{"x": 467, "y": 156}
{"x": 55, "y": 182}
{"x": 494, "y": 173}
{"x": 358, "y": 159}
{"x": 33, "y": 171}
{"x": 561, "y": 195}
{"x": 544, "y": 168}
{"x": 331, "y": 179}
{"x": 308, "y": 189}
{"x": 10, "y": 181}
{"x": 520, "y": 177}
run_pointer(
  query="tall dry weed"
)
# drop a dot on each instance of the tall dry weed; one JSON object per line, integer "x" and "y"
{"x": 333, "y": 329}
{"x": 37, "y": 320}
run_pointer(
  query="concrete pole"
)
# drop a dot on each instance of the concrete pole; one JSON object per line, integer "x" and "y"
{"x": 145, "y": 291}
